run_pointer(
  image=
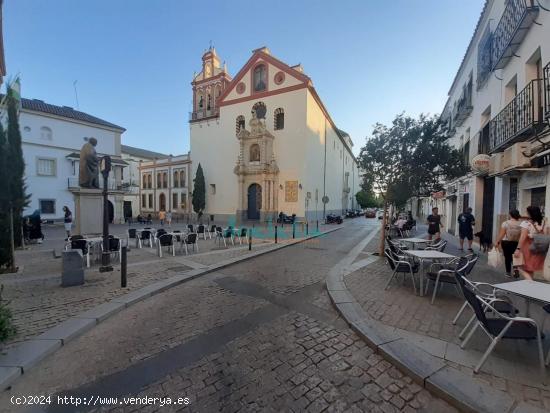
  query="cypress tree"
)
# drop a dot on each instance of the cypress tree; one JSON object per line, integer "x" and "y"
{"x": 199, "y": 192}
{"x": 6, "y": 259}
{"x": 15, "y": 167}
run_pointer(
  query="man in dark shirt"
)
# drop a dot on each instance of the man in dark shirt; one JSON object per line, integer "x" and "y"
{"x": 466, "y": 221}
{"x": 434, "y": 224}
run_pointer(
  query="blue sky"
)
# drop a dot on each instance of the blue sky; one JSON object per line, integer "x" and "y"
{"x": 134, "y": 59}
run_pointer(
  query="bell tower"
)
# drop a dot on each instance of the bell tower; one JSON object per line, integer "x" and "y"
{"x": 208, "y": 86}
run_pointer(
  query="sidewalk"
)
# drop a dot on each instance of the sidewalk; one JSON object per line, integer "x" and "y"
{"x": 513, "y": 366}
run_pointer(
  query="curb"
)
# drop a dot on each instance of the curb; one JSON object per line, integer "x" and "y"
{"x": 459, "y": 389}
{"x": 21, "y": 358}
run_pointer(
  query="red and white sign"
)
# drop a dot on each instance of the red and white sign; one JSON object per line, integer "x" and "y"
{"x": 481, "y": 164}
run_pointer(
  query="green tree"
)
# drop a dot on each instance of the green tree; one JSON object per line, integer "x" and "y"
{"x": 367, "y": 199}
{"x": 6, "y": 257}
{"x": 409, "y": 158}
{"x": 15, "y": 165}
{"x": 199, "y": 192}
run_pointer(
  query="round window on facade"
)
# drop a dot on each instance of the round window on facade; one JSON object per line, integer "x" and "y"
{"x": 279, "y": 78}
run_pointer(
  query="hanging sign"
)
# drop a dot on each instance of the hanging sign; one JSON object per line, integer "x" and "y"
{"x": 481, "y": 164}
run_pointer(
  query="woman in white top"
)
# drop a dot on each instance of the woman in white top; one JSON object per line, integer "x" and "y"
{"x": 508, "y": 238}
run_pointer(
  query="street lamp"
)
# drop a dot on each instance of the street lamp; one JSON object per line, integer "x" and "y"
{"x": 105, "y": 167}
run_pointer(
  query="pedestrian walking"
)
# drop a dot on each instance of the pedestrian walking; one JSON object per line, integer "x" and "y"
{"x": 466, "y": 221}
{"x": 434, "y": 224}
{"x": 162, "y": 217}
{"x": 169, "y": 218}
{"x": 68, "y": 221}
{"x": 507, "y": 240}
{"x": 533, "y": 260}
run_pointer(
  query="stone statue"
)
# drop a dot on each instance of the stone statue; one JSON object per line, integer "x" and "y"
{"x": 88, "y": 176}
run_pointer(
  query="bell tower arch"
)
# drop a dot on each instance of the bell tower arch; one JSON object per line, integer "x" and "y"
{"x": 208, "y": 86}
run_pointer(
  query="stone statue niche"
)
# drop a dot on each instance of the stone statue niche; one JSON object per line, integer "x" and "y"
{"x": 88, "y": 176}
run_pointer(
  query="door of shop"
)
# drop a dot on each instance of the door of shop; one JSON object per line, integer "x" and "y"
{"x": 538, "y": 197}
{"x": 488, "y": 208}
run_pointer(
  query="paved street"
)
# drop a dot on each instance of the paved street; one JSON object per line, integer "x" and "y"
{"x": 258, "y": 336}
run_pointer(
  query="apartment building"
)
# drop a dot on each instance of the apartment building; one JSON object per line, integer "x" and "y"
{"x": 498, "y": 110}
{"x": 166, "y": 185}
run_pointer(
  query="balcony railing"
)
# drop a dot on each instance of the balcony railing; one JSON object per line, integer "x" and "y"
{"x": 512, "y": 28}
{"x": 203, "y": 114}
{"x": 547, "y": 92}
{"x": 522, "y": 117}
{"x": 112, "y": 185}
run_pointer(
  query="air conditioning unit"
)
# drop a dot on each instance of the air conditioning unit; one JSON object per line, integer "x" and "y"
{"x": 495, "y": 164}
{"x": 513, "y": 157}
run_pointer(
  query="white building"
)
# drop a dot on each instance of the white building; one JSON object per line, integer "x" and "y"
{"x": 166, "y": 186}
{"x": 52, "y": 137}
{"x": 498, "y": 110}
{"x": 131, "y": 176}
{"x": 267, "y": 143}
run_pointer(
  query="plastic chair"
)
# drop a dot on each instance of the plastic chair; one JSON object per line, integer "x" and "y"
{"x": 166, "y": 240}
{"x": 82, "y": 245}
{"x": 191, "y": 239}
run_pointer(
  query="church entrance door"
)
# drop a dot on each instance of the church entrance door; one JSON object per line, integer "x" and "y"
{"x": 254, "y": 201}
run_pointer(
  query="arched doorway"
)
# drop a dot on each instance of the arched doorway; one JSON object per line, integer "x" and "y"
{"x": 254, "y": 201}
{"x": 162, "y": 202}
{"x": 111, "y": 209}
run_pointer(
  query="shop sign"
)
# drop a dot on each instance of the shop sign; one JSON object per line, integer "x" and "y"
{"x": 532, "y": 180}
{"x": 481, "y": 164}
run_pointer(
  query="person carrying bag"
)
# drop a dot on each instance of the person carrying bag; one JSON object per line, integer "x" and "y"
{"x": 507, "y": 241}
{"x": 533, "y": 243}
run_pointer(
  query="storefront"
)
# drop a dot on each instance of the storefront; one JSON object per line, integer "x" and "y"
{"x": 532, "y": 190}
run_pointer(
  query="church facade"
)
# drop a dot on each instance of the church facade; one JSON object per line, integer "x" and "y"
{"x": 267, "y": 144}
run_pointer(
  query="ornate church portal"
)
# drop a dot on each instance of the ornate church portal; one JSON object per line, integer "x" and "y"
{"x": 257, "y": 172}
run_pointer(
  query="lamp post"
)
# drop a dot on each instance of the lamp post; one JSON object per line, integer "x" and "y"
{"x": 105, "y": 168}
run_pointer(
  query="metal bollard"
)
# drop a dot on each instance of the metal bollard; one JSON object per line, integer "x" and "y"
{"x": 275, "y": 234}
{"x": 317, "y": 225}
{"x": 123, "y": 267}
{"x": 307, "y": 228}
{"x": 250, "y": 241}
{"x": 293, "y": 230}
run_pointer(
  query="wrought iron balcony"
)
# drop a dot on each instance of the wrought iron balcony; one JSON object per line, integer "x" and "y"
{"x": 521, "y": 118}
{"x": 512, "y": 28}
{"x": 547, "y": 92}
{"x": 203, "y": 114}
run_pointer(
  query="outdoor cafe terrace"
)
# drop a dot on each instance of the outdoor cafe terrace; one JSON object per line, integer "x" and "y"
{"x": 513, "y": 366}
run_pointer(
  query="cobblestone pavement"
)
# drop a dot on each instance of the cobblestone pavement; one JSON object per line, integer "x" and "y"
{"x": 258, "y": 336}
{"x": 38, "y": 301}
{"x": 513, "y": 365}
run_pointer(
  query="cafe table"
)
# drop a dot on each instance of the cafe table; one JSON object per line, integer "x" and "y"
{"x": 422, "y": 256}
{"x": 529, "y": 290}
{"x": 415, "y": 241}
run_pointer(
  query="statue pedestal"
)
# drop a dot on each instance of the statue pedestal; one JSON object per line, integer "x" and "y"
{"x": 88, "y": 211}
